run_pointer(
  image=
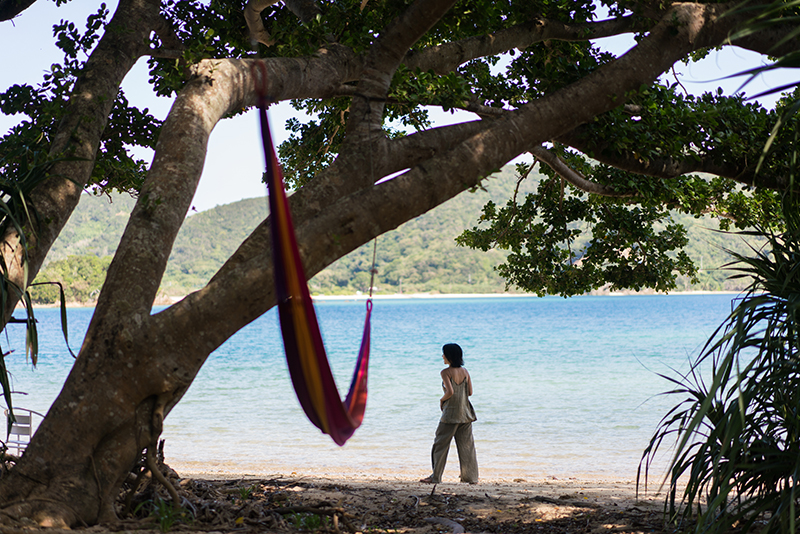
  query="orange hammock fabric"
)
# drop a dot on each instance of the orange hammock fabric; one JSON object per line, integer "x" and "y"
{"x": 305, "y": 353}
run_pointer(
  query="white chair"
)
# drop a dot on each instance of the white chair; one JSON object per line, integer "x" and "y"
{"x": 21, "y": 431}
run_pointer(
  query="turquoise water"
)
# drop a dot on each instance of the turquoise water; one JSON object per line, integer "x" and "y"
{"x": 563, "y": 387}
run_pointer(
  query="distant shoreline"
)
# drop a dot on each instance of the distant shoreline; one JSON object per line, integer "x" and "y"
{"x": 397, "y": 296}
{"x": 168, "y": 301}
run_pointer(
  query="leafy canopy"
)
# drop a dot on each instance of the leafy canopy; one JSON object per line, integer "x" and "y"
{"x": 561, "y": 239}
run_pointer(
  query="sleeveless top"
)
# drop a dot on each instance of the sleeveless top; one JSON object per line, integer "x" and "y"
{"x": 458, "y": 409}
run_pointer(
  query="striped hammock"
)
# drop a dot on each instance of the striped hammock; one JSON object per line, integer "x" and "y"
{"x": 305, "y": 353}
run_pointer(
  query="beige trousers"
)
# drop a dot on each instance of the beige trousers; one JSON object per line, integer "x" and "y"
{"x": 467, "y": 459}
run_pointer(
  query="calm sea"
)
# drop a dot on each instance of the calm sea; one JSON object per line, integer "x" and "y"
{"x": 563, "y": 387}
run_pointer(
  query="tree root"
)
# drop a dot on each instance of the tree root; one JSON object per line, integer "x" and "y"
{"x": 126, "y": 509}
{"x": 157, "y": 426}
{"x": 28, "y": 500}
{"x": 158, "y": 475}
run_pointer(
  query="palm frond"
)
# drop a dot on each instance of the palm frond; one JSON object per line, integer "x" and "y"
{"x": 21, "y": 171}
{"x": 738, "y": 434}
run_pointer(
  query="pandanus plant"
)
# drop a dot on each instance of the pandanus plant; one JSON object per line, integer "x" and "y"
{"x": 736, "y": 430}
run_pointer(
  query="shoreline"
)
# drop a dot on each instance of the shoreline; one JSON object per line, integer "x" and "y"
{"x": 605, "y": 488}
{"x": 399, "y": 296}
{"x": 548, "y": 486}
{"x": 654, "y": 487}
{"x": 228, "y": 469}
{"x": 170, "y": 300}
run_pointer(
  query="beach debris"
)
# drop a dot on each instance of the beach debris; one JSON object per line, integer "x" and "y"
{"x": 457, "y": 528}
{"x": 411, "y": 510}
{"x": 314, "y": 506}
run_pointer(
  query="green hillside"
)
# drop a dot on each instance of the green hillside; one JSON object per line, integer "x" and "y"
{"x": 94, "y": 228}
{"x": 422, "y": 257}
{"x": 206, "y": 240}
{"x": 419, "y": 257}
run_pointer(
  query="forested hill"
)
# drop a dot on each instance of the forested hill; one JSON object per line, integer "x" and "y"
{"x": 420, "y": 256}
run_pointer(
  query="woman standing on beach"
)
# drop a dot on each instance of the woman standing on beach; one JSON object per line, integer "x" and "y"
{"x": 456, "y": 421}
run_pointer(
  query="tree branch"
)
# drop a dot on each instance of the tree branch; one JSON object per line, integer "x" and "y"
{"x": 414, "y": 149}
{"x": 305, "y": 10}
{"x": 11, "y": 8}
{"x": 219, "y": 87}
{"x": 382, "y": 160}
{"x": 574, "y": 177}
{"x": 252, "y": 15}
{"x": 171, "y": 46}
{"x": 364, "y": 125}
{"x": 385, "y": 55}
{"x": 166, "y": 53}
{"x": 741, "y": 171}
{"x": 445, "y": 58}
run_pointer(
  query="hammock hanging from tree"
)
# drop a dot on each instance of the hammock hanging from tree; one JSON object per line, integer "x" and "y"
{"x": 305, "y": 353}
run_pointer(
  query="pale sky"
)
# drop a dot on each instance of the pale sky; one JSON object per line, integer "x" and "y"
{"x": 234, "y": 162}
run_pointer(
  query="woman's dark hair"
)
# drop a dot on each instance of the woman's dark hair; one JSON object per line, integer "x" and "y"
{"x": 453, "y": 354}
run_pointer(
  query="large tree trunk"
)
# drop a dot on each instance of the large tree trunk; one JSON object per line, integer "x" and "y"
{"x": 134, "y": 367}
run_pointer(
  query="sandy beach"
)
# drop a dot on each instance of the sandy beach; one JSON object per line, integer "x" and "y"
{"x": 295, "y": 502}
{"x": 403, "y": 504}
